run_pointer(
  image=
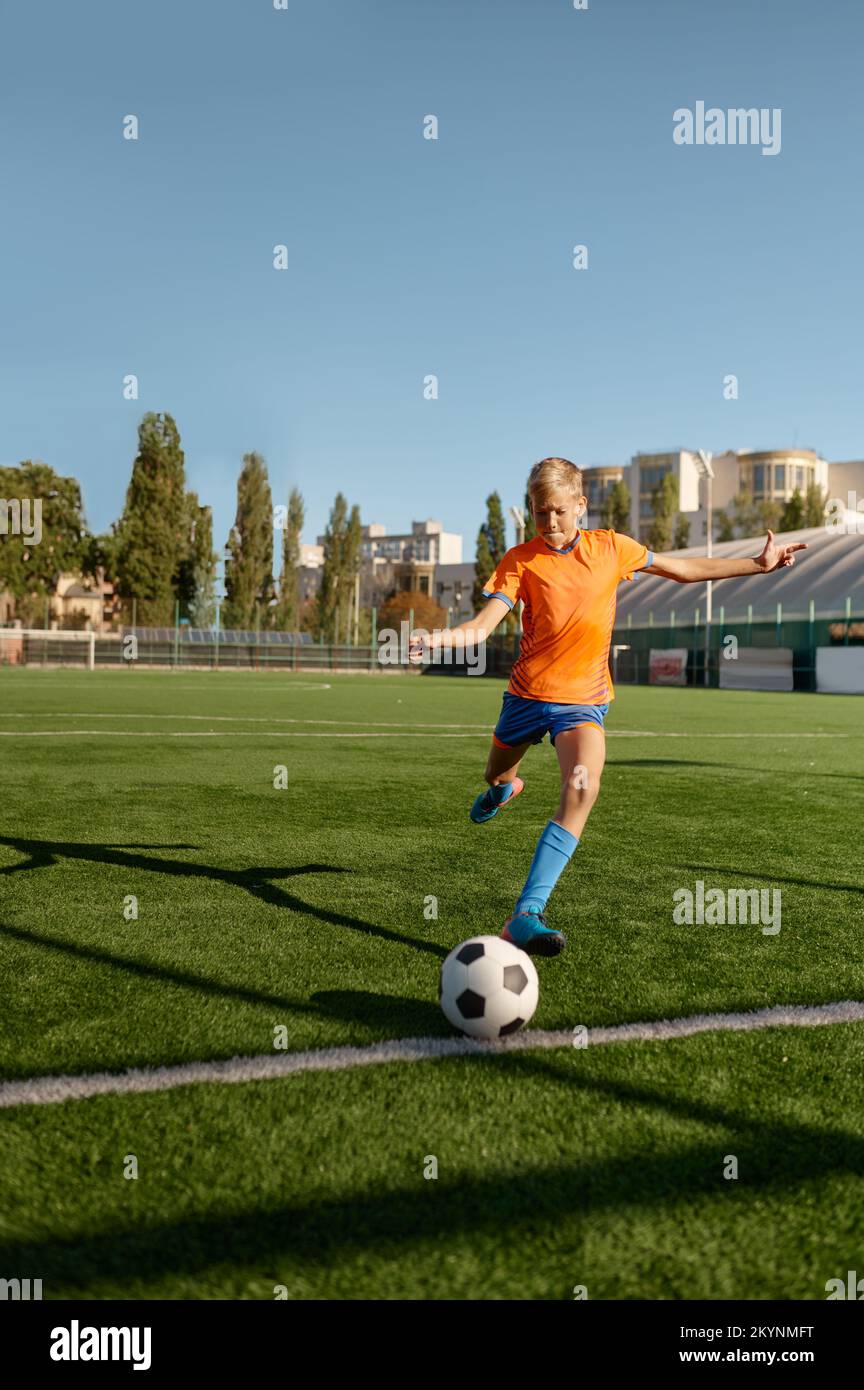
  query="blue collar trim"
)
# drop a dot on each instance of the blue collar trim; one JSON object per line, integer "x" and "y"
{"x": 567, "y": 548}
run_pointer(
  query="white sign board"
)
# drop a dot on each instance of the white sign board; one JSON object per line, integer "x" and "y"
{"x": 757, "y": 668}
{"x": 840, "y": 670}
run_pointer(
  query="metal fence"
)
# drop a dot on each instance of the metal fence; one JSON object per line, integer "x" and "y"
{"x": 632, "y": 645}
{"x": 630, "y": 654}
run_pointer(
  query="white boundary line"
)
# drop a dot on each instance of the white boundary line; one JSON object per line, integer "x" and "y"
{"x": 211, "y": 733}
{"x": 442, "y": 731}
{"x": 402, "y": 725}
{"x": 53, "y": 1090}
{"x": 246, "y": 719}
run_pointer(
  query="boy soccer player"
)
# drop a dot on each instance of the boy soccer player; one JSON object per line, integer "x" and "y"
{"x": 560, "y": 684}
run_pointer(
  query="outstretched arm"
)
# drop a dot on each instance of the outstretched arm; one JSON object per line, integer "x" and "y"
{"x": 688, "y": 571}
{"x": 477, "y": 629}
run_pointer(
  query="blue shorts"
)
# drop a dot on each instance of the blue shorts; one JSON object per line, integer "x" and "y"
{"x": 529, "y": 721}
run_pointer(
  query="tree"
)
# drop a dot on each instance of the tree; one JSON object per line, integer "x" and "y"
{"x": 249, "y": 564}
{"x": 664, "y": 505}
{"x": 196, "y": 573}
{"x": 814, "y": 505}
{"x": 483, "y": 567}
{"x": 530, "y": 528}
{"x": 427, "y": 613}
{"x": 200, "y": 607}
{"x": 43, "y": 534}
{"x": 768, "y": 516}
{"x": 100, "y": 558}
{"x": 724, "y": 527}
{"x": 287, "y": 615}
{"x": 152, "y": 532}
{"x": 792, "y": 518}
{"x": 341, "y": 562}
{"x": 681, "y": 539}
{"x": 615, "y": 514}
{"x": 491, "y": 545}
{"x": 746, "y": 516}
{"x": 496, "y": 527}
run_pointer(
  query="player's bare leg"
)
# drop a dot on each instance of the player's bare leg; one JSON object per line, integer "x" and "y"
{"x": 501, "y": 768}
{"x": 581, "y": 758}
{"x": 581, "y": 754}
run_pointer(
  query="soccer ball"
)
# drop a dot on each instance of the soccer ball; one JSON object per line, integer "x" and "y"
{"x": 488, "y": 987}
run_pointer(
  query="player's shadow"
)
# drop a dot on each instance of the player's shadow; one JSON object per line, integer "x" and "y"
{"x": 381, "y": 1011}
{"x": 280, "y": 1243}
{"x": 730, "y": 871}
{"x": 144, "y": 970}
{"x": 42, "y": 854}
{"x": 613, "y": 762}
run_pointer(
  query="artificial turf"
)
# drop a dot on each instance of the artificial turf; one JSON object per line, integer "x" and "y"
{"x": 310, "y": 906}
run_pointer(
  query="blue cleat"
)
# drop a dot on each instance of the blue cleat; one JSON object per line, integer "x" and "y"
{"x": 528, "y": 931}
{"x": 485, "y": 808}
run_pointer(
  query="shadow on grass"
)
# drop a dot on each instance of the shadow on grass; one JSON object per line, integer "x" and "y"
{"x": 274, "y": 1241}
{"x": 612, "y": 762}
{"x": 412, "y": 1017}
{"x": 42, "y": 854}
{"x": 731, "y": 872}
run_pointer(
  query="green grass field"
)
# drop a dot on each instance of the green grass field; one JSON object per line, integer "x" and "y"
{"x": 304, "y": 907}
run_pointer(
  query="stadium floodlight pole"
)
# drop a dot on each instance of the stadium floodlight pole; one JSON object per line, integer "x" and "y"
{"x": 705, "y": 469}
{"x": 518, "y": 516}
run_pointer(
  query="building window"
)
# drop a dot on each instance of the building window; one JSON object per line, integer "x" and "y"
{"x": 649, "y": 478}
{"x": 424, "y": 583}
{"x": 779, "y": 477}
{"x": 758, "y": 477}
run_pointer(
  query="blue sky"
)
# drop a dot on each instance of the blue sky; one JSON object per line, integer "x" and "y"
{"x": 407, "y": 256}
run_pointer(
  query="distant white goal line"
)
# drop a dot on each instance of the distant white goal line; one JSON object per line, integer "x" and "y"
{"x": 12, "y": 642}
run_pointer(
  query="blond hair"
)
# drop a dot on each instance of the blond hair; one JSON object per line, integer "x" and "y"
{"x": 550, "y": 474}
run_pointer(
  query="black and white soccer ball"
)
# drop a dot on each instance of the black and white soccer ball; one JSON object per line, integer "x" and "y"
{"x": 488, "y": 987}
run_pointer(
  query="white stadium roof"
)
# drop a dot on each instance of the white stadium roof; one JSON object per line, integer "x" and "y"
{"x": 829, "y": 571}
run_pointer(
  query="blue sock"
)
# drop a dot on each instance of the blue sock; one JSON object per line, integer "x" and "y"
{"x": 551, "y": 857}
{"x": 498, "y": 793}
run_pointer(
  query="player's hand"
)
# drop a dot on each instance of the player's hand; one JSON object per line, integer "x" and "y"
{"x": 418, "y": 646}
{"x": 775, "y": 557}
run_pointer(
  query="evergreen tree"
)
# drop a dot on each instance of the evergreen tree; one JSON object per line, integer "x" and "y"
{"x": 351, "y": 563}
{"x": 681, "y": 539}
{"x": 814, "y": 505}
{"x": 201, "y": 605}
{"x": 287, "y": 617}
{"x": 491, "y": 545}
{"x": 768, "y": 516}
{"x": 341, "y": 560}
{"x": 496, "y": 527}
{"x": 616, "y": 507}
{"x": 530, "y": 528}
{"x": 664, "y": 505}
{"x": 196, "y": 574}
{"x": 792, "y": 518}
{"x": 483, "y": 567}
{"x": 746, "y": 515}
{"x": 249, "y": 586}
{"x": 152, "y": 533}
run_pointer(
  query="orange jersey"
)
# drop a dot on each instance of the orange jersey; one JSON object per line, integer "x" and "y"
{"x": 569, "y": 599}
